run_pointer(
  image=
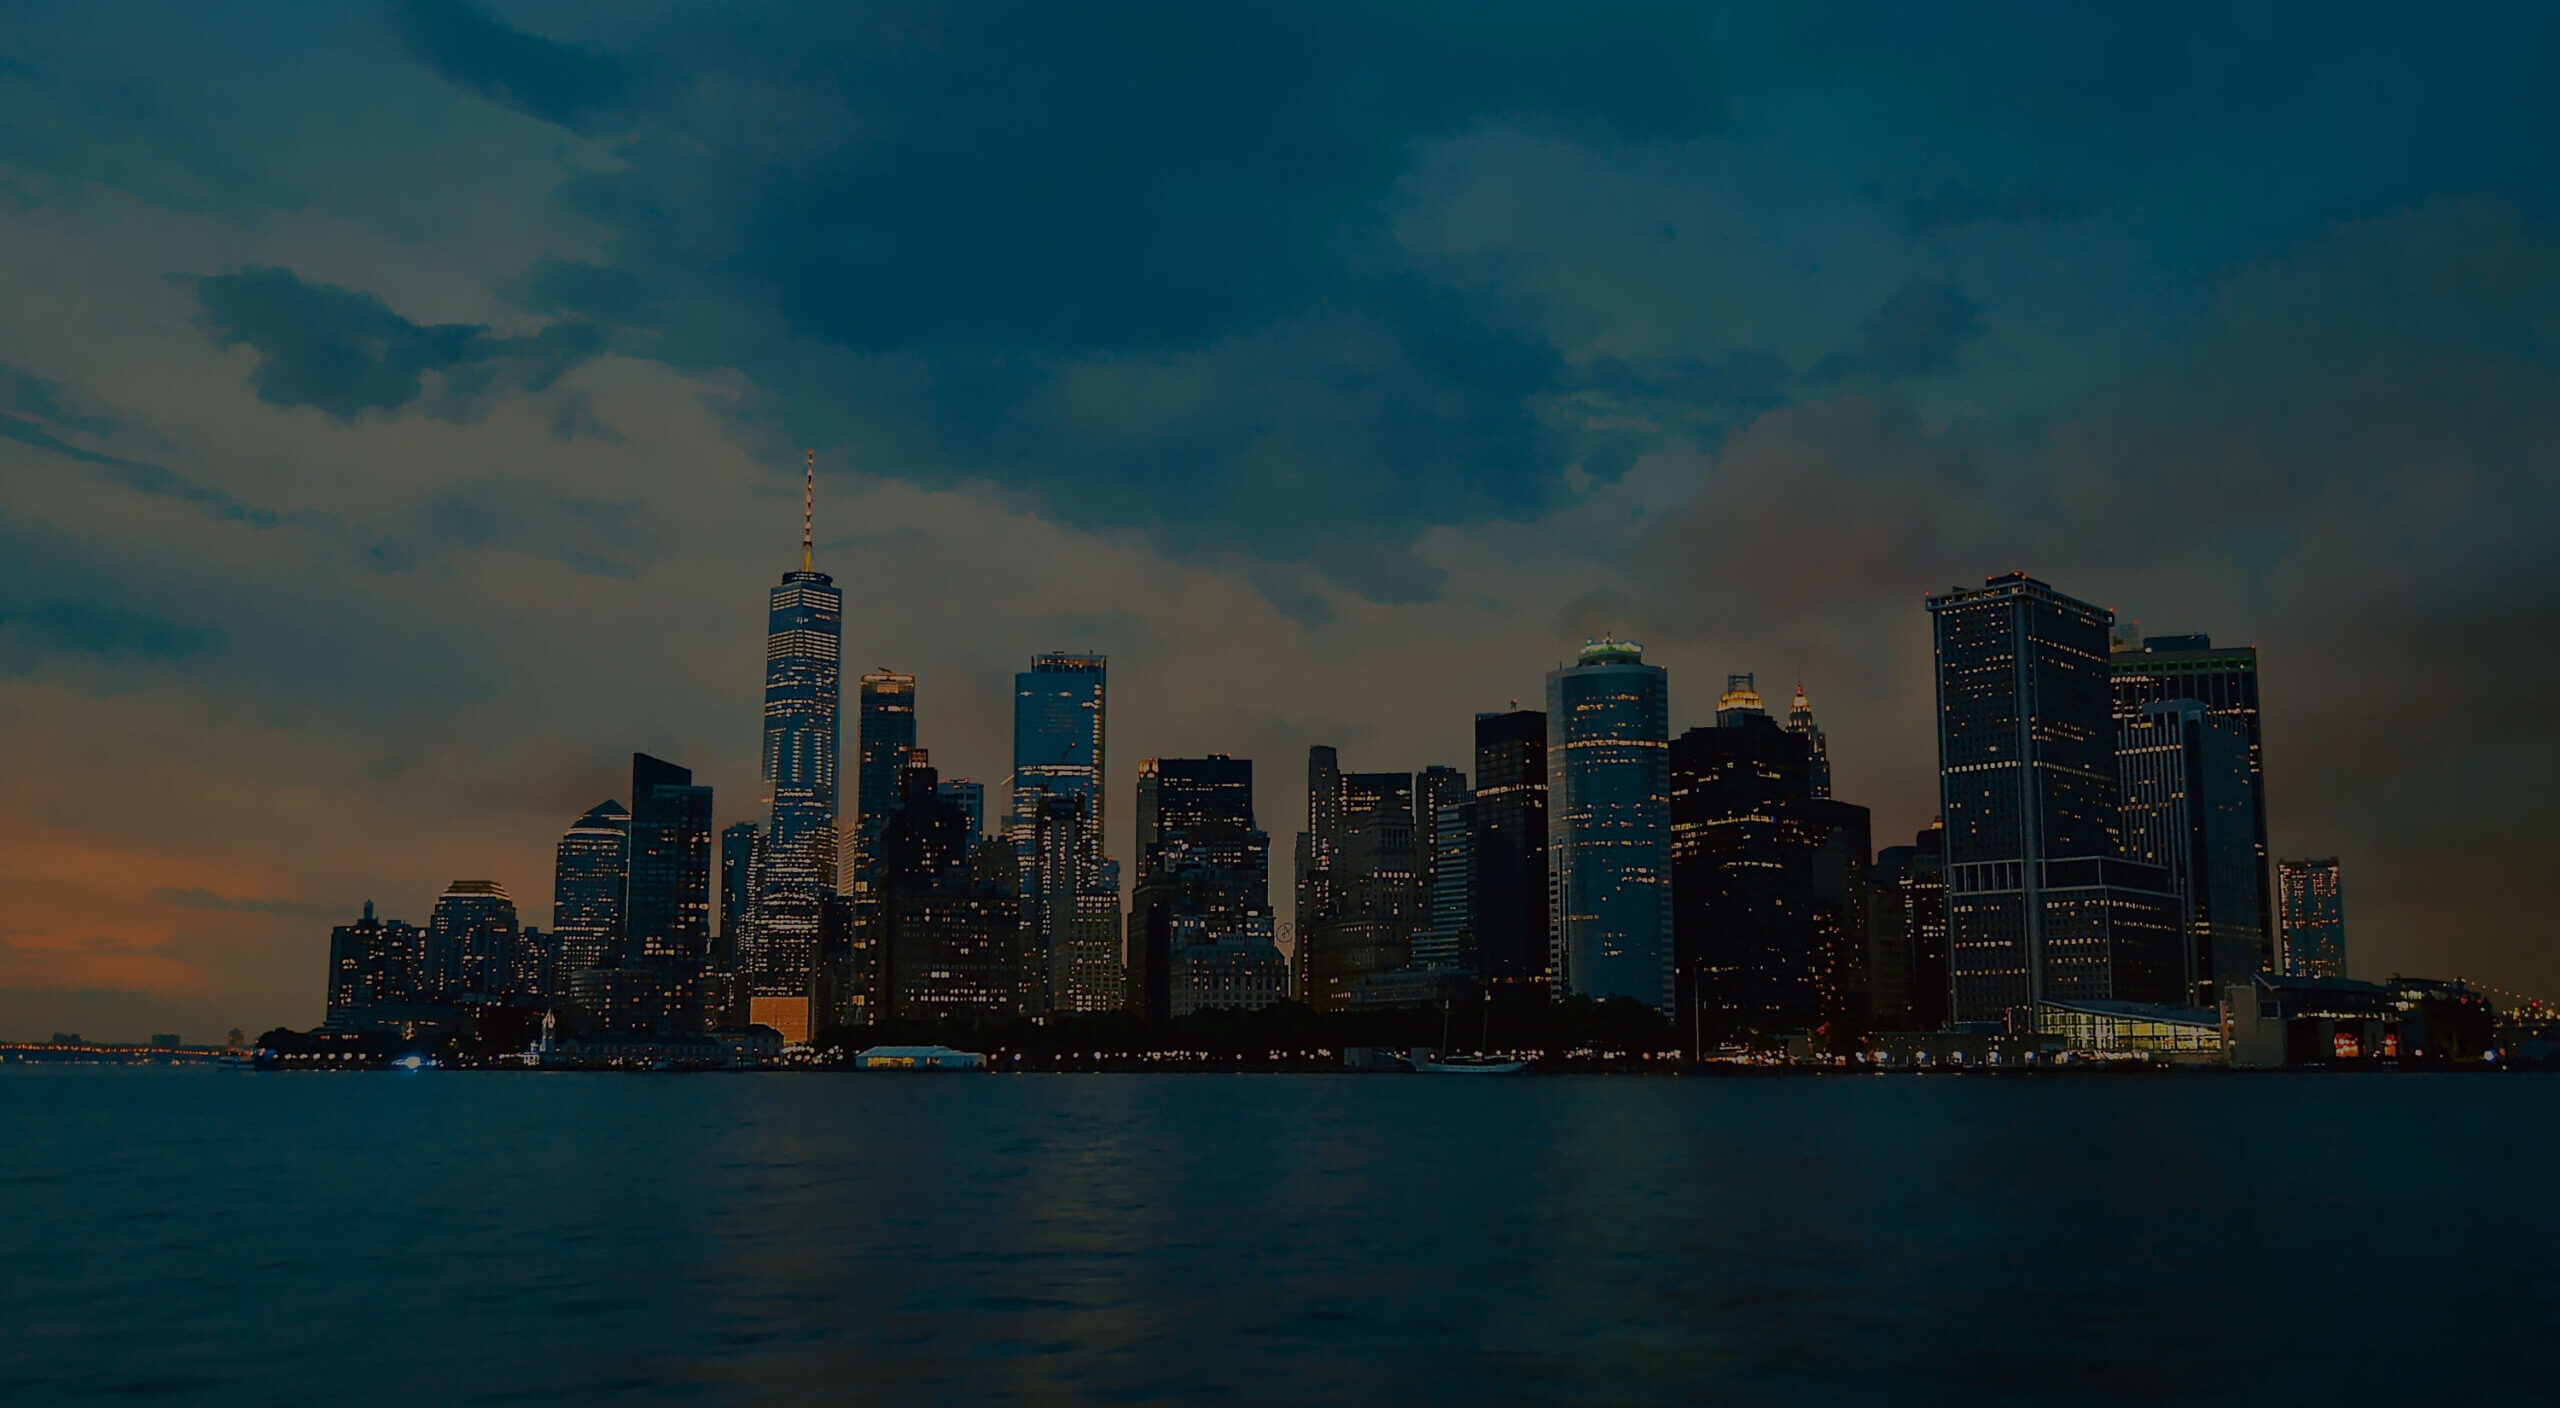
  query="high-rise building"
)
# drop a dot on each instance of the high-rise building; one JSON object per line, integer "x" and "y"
{"x": 1740, "y": 701}
{"x": 803, "y": 671}
{"x": 586, "y": 889}
{"x": 666, "y": 906}
{"x": 2224, "y": 679}
{"x": 1060, "y": 721}
{"x": 1609, "y": 825}
{"x": 970, "y": 798}
{"x": 1359, "y": 887}
{"x": 2189, "y": 809}
{"x": 1058, "y": 728}
{"x": 471, "y": 941}
{"x": 885, "y": 730}
{"x": 1907, "y": 897}
{"x": 741, "y": 844}
{"x": 950, "y": 930}
{"x": 2042, "y": 903}
{"x": 356, "y": 961}
{"x": 1201, "y": 928}
{"x": 377, "y": 973}
{"x": 1800, "y": 723}
{"x": 1507, "y": 852}
{"x": 1445, "y": 942}
{"x": 2314, "y": 916}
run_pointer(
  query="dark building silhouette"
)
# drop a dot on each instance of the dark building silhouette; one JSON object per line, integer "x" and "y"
{"x": 1800, "y": 723}
{"x": 884, "y": 733}
{"x": 1200, "y": 917}
{"x": 1444, "y": 940}
{"x": 1609, "y": 825}
{"x": 1908, "y": 901}
{"x": 1507, "y": 849}
{"x": 2042, "y": 903}
{"x": 949, "y": 912}
{"x": 1060, "y": 729}
{"x": 666, "y": 904}
{"x": 1769, "y": 880}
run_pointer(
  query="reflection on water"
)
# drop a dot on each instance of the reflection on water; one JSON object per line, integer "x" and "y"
{"x": 222, "y": 1238}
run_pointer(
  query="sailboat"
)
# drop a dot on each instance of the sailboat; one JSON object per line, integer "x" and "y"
{"x": 1436, "y": 1064}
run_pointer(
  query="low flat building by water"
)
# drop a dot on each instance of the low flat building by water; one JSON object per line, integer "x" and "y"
{"x": 2120, "y": 1027}
{"x": 917, "y": 1058}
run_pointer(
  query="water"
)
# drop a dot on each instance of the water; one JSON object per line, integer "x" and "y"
{"x": 230, "y": 1238}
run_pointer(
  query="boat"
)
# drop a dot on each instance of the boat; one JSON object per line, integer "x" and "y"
{"x": 1468, "y": 1065}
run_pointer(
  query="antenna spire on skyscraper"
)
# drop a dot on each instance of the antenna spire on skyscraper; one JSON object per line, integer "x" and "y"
{"x": 809, "y": 516}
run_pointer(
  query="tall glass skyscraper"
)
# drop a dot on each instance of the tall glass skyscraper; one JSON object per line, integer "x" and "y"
{"x": 1609, "y": 825}
{"x": 2041, "y": 900}
{"x": 586, "y": 890}
{"x": 666, "y": 906}
{"x": 884, "y": 733}
{"x": 2224, "y": 679}
{"x": 1058, "y": 718}
{"x": 802, "y": 682}
{"x": 1059, "y": 726}
{"x": 2188, "y": 809}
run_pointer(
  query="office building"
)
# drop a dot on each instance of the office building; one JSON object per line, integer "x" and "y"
{"x": 971, "y": 798}
{"x": 1071, "y": 889}
{"x": 587, "y": 882}
{"x": 884, "y": 732}
{"x": 2224, "y": 679}
{"x": 1770, "y": 928}
{"x": 950, "y": 910}
{"x": 741, "y": 853}
{"x": 2188, "y": 809}
{"x": 1907, "y": 893}
{"x": 1202, "y": 900}
{"x": 2314, "y": 919}
{"x": 1507, "y": 853}
{"x": 1360, "y": 887}
{"x": 1609, "y": 825}
{"x": 803, "y": 674}
{"x": 2042, "y": 904}
{"x": 1446, "y": 942}
{"x": 667, "y": 896}
{"x": 471, "y": 943}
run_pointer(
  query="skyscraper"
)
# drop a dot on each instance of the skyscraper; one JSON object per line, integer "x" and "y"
{"x": 802, "y": 682}
{"x": 1444, "y": 939}
{"x": 2313, "y": 912}
{"x": 666, "y": 907}
{"x": 1360, "y": 887}
{"x": 971, "y": 798}
{"x": 1609, "y": 825}
{"x": 1507, "y": 853}
{"x": 2224, "y": 679}
{"x": 1201, "y": 928}
{"x": 1800, "y": 723}
{"x": 1907, "y": 908}
{"x": 1059, "y": 729}
{"x": 2041, "y": 901}
{"x": 885, "y": 731}
{"x": 741, "y": 843}
{"x": 471, "y": 941}
{"x": 2189, "y": 809}
{"x": 950, "y": 930}
{"x": 586, "y": 890}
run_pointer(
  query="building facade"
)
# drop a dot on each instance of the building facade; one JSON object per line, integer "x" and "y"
{"x": 2042, "y": 904}
{"x": 1202, "y": 932}
{"x": 667, "y": 897}
{"x": 2312, "y": 911}
{"x": 2189, "y": 809}
{"x": 1507, "y": 852}
{"x": 1609, "y": 825}
{"x": 586, "y": 890}
{"x": 803, "y": 672}
{"x": 2224, "y": 679}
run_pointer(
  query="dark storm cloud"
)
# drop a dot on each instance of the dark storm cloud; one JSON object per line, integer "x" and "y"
{"x": 1131, "y": 261}
{"x": 1915, "y": 334}
{"x": 108, "y": 632}
{"x": 539, "y": 77}
{"x": 46, "y": 401}
{"x": 346, "y": 353}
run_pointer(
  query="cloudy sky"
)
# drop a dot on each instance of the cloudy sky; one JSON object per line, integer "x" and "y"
{"x": 400, "y": 407}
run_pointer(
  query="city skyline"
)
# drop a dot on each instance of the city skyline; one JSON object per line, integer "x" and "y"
{"x": 375, "y": 476}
